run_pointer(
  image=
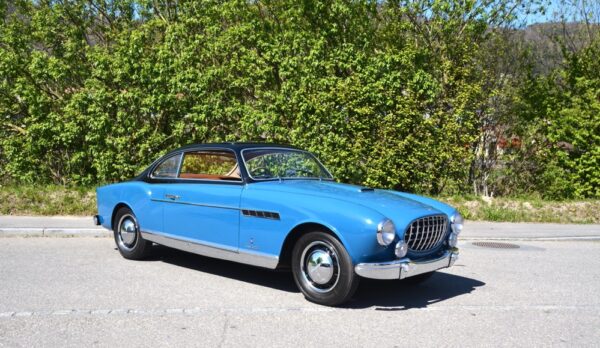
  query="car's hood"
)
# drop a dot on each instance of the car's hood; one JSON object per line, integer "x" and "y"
{"x": 400, "y": 207}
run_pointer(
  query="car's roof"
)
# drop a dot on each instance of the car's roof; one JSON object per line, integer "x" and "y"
{"x": 237, "y": 146}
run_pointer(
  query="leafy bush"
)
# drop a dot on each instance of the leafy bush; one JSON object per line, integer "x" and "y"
{"x": 389, "y": 94}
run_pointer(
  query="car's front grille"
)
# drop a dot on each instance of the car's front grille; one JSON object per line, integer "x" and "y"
{"x": 426, "y": 233}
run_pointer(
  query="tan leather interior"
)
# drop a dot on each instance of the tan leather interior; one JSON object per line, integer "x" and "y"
{"x": 188, "y": 172}
{"x": 234, "y": 172}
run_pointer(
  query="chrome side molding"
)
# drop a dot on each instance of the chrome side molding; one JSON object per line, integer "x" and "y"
{"x": 216, "y": 251}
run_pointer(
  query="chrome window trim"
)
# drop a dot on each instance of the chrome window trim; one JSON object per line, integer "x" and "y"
{"x": 151, "y": 175}
{"x": 286, "y": 178}
{"x": 182, "y": 153}
{"x": 214, "y": 250}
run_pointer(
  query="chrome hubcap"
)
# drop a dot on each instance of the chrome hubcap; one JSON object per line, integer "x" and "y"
{"x": 127, "y": 231}
{"x": 320, "y": 266}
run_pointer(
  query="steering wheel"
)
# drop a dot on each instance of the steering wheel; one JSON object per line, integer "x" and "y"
{"x": 262, "y": 172}
{"x": 308, "y": 172}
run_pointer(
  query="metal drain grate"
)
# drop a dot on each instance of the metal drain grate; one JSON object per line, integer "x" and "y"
{"x": 496, "y": 245}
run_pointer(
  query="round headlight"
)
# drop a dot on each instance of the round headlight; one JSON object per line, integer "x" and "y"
{"x": 457, "y": 223}
{"x": 386, "y": 232}
{"x": 401, "y": 249}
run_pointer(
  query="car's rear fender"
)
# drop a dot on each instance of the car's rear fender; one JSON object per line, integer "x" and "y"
{"x": 137, "y": 196}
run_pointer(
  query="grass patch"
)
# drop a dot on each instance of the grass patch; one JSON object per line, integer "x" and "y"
{"x": 47, "y": 200}
{"x": 61, "y": 200}
{"x": 526, "y": 209}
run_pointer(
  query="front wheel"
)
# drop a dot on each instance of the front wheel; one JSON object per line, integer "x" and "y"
{"x": 323, "y": 270}
{"x": 127, "y": 234}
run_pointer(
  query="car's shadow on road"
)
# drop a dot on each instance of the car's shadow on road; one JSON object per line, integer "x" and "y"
{"x": 279, "y": 280}
{"x": 381, "y": 294}
{"x": 399, "y": 295}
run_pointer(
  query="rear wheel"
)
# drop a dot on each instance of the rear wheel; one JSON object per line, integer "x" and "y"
{"x": 127, "y": 235}
{"x": 323, "y": 270}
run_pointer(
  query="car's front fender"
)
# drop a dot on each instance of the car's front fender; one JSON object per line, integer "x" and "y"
{"x": 354, "y": 225}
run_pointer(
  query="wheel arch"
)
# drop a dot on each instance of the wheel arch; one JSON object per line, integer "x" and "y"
{"x": 285, "y": 256}
{"x": 115, "y": 210}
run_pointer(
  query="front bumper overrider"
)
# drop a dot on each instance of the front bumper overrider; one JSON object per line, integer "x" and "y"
{"x": 405, "y": 267}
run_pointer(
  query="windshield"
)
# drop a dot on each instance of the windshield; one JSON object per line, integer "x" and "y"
{"x": 264, "y": 164}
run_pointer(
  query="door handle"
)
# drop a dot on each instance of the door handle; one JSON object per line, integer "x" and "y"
{"x": 172, "y": 197}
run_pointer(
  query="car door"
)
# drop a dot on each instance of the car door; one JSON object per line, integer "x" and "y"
{"x": 151, "y": 216}
{"x": 203, "y": 204}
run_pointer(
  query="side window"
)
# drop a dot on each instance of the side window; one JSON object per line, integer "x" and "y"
{"x": 168, "y": 168}
{"x": 211, "y": 165}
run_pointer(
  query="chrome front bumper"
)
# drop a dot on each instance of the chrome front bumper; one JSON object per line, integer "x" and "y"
{"x": 404, "y": 268}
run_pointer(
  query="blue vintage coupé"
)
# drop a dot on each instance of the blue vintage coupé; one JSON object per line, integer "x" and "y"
{"x": 277, "y": 206}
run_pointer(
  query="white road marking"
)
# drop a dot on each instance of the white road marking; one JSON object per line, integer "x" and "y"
{"x": 193, "y": 311}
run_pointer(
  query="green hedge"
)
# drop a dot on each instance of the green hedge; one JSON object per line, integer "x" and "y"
{"x": 389, "y": 94}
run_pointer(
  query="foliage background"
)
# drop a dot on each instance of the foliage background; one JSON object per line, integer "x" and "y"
{"x": 429, "y": 96}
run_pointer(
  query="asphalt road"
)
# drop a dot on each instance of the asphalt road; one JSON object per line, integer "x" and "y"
{"x": 80, "y": 292}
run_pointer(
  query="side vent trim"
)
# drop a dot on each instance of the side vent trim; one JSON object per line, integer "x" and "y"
{"x": 261, "y": 214}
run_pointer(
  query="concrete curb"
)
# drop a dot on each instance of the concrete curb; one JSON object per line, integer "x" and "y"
{"x": 83, "y": 226}
{"x": 47, "y": 232}
{"x": 7, "y": 232}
